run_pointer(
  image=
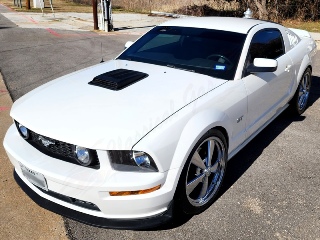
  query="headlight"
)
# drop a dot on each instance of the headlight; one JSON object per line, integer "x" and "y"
{"x": 132, "y": 161}
{"x": 83, "y": 155}
{"x": 24, "y": 132}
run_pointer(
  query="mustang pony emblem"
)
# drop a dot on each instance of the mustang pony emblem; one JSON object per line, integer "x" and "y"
{"x": 45, "y": 141}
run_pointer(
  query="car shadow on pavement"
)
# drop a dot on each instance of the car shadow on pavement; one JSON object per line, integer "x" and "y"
{"x": 315, "y": 90}
{"x": 249, "y": 154}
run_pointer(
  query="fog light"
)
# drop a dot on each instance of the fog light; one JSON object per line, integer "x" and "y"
{"x": 83, "y": 156}
{"x": 126, "y": 193}
{"x": 24, "y": 132}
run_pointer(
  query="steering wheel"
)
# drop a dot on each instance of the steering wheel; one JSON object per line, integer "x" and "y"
{"x": 217, "y": 57}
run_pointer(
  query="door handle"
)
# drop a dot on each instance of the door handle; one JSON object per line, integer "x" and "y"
{"x": 287, "y": 69}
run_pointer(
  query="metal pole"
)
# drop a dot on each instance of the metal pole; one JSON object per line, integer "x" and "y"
{"x": 108, "y": 5}
{"x": 52, "y": 8}
{"x": 41, "y": 6}
{"x": 95, "y": 15}
{"x": 108, "y": 16}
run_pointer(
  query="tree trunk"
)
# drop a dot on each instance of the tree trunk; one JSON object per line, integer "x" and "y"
{"x": 262, "y": 9}
{"x": 27, "y": 4}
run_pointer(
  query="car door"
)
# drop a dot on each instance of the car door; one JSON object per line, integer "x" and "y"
{"x": 267, "y": 91}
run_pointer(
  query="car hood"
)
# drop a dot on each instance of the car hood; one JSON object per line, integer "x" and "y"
{"x": 70, "y": 110}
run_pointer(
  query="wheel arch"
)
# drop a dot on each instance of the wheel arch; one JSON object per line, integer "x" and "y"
{"x": 305, "y": 64}
{"x": 218, "y": 125}
{"x": 224, "y": 132}
{"x": 196, "y": 127}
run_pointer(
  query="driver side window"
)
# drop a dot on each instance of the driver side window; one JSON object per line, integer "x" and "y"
{"x": 267, "y": 43}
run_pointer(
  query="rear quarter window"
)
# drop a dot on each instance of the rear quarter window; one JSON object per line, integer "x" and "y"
{"x": 293, "y": 38}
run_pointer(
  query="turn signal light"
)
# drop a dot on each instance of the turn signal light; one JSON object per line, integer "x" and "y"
{"x": 126, "y": 193}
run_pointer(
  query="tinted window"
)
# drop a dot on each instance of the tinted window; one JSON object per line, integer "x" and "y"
{"x": 211, "y": 52}
{"x": 266, "y": 44}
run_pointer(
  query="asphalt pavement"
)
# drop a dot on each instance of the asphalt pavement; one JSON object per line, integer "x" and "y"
{"x": 272, "y": 185}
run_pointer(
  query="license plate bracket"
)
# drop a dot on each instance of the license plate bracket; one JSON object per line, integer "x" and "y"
{"x": 34, "y": 177}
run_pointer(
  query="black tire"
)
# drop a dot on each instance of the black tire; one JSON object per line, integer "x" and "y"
{"x": 299, "y": 102}
{"x": 200, "y": 179}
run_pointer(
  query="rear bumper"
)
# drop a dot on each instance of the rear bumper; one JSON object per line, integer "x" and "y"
{"x": 141, "y": 223}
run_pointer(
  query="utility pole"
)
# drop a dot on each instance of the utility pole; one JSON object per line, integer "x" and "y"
{"x": 28, "y": 4}
{"x": 95, "y": 15}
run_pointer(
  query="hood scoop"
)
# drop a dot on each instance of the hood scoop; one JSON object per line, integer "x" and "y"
{"x": 118, "y": 79}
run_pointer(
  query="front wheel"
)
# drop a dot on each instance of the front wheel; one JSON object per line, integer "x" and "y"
{"x": 299, "y": 101}
{"x": 203, "y": 173}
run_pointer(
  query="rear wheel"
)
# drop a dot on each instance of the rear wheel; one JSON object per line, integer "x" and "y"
{"x": 203, "y": 173}
{"x": 299, "y": 102}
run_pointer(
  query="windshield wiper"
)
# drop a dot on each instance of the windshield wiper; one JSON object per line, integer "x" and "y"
{"x": 172, "y": 66}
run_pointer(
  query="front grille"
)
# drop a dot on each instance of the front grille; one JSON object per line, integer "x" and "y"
{"x": 58, "y": 149}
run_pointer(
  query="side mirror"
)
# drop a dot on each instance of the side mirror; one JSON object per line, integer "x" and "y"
{"x": 128, "y": 44}
{"x": 262, "y": 65}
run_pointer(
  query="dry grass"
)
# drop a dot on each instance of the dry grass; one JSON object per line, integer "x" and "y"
{"x": 171, "y": 5}
{"x": 309, "y": 26}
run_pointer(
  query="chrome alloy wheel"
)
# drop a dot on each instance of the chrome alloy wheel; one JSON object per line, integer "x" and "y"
{"x": 205, "y": 172}
{"x": 304, "y": 90}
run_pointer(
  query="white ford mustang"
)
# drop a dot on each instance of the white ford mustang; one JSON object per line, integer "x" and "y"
{"x": 123, "y": 143}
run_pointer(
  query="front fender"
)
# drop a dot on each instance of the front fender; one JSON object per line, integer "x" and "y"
{"x": 171, "y": 144}
{"x": 195, "y": 128}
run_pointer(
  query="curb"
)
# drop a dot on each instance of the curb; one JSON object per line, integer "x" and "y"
{"x": 20, "y": 218}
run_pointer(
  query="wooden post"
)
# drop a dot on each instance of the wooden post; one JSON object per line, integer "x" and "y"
{"x": 95, "y": 15}
{"x": 28, "y": 4}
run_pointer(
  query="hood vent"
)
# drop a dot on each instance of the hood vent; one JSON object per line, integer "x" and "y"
{"x": 117, "y": 79}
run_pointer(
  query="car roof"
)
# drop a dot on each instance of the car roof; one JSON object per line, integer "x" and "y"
{"x": 231, "y": 24}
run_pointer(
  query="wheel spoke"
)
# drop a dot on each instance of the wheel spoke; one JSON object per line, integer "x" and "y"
{"x": 211, "y": 144}
{"x": 305, "y": 83}
{"x": 204, "y": 188}
{"x": 214, "y": 167}
{"x": 301, "y": 101}
{"x": 197, "y": 160}
{"x": 192, "y": 185}
{"x": 206, "y": 170}
{"x": 216, "y": 164}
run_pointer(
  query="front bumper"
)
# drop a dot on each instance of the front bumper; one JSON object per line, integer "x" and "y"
{"x": 93, "y": 186}
{"x": 130, "y": 224}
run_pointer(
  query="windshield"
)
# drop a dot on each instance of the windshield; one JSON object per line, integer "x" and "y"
{"x": 211, "y": 52}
